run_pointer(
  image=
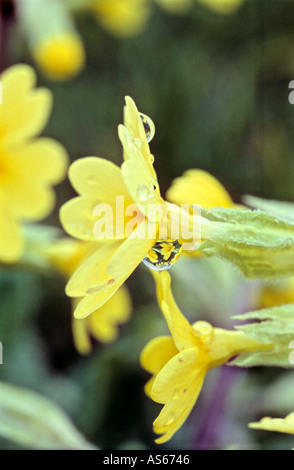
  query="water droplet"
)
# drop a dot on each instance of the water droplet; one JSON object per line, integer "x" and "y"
{"x": 151, "y": 158}
{"x": 143, "y": 192}
{"x": 134, "y": 143}
{"x": 175, "y": 394}
{"x": 149, "y": 127}
{"x": 163, "y": 255}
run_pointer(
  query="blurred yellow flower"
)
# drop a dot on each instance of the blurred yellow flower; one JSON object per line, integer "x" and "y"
{"x": 29, "y": 166}
{"x": 122, "y": 17}
{"x": 61, "y": 56}
{"x": 179, "y": 363}
{"x": 222, "y": 6}
{"x": 199, "y": 187}
{"x": 275, "y": 294}
{"x": 100, "y": 183}
{"x": 285, "y": 425}
{"x": 65, "y": 255}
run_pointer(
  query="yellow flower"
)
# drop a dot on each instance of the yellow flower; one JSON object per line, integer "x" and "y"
{"x": 100, "y": 183}
{"x": 29, "y": 166}
{"x": 222, "y": 6}
{"x": 60, "y": 56}
{"x": 122, "y": 17}
{"x": 65, "y": 255}
{"x": 199, "y": 187}
{"x": 285, "y": 425}
{"x": 179, "y": 363}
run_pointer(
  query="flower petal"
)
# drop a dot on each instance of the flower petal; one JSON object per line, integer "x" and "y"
{"x": 98, "y": 179}
{"x": 92, "y": 273}
{"x": 199, "y": 187}
{"x": 33, "y": 105}
{"x": 77, "y": 219}
{"x": 103, "y": 323}
{"x": 177, "y": 386}
{"x": 28, "y": 173}
{"x": 285, "y": 425}
{"x": 181, "y": 330}
{"x": 157, "y": 353}
{"x": 11, "y": 239}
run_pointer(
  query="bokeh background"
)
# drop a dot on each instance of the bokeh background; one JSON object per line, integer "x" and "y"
{"x": 217, "y": 89}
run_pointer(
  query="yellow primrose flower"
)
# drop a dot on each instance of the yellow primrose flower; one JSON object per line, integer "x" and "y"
{"x": 119, "y": 193}
{"x": 65, "y": 255}
{"x": 61, "y": 56}
{"x": 285, "y": 425}
{"x": 29, "y": 165}
{"x": 179, "y": 363}
{"x": 222, "y": 6}
{"x": 121, "y": 17}
{"x": 199, "y": 186}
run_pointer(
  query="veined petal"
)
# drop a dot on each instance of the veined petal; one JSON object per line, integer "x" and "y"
{"x": 33, "y": 105}
{"x": 199, "y": 187}
{"x": 92, "y": 273}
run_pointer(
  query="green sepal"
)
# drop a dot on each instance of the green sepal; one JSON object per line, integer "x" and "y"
{"x": 271, "y": 326}
{"x": 261, "y": 245}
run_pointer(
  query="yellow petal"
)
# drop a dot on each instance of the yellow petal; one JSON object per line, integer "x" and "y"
{"x": 177, "y": 385}
{"x": 122, "y": 17}
{"x": 133, "y": 123}
{"x": 28, "y": 173}
{"x": 81, "y": 337}
{"x": 199, "y": 187}
{"x": 157, "y": 353}
{"x": 104, "y": 322}
{"x": 11, "y": 239}
{"x": 170, "y": 429}
{"x": 77, "y": 219}
{"x": 98, "y": 179}
{"x": 285, "y": 425}
{"x": 92, "y": 273}
{"x": 25, "y": 110}
{"x": 94, "y": 301}
{"x": 130, "y": 253}
{"x": 181, "y": 330}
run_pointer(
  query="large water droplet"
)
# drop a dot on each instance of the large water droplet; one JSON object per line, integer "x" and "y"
{"x": 149, "y": 127}
{"x": 163, "y": 255}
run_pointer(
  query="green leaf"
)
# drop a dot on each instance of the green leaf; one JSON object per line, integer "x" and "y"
{"x": 273, "y": 325}
{"x": 32, "y": 421}
{"x": 259, "y": 244}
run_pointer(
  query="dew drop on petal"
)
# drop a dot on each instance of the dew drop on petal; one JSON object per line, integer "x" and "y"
{"x": 170, "y": 418}
{"x": 149, "y": 127}
{"x": 143, "y": 192}
{"x": 163, "y": 255}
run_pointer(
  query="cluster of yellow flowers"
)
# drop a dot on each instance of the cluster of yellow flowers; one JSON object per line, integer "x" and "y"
{"x": 56, "y": 44}
{"x": 96, "y": 269}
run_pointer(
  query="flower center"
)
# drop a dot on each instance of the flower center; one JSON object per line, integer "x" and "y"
{"x": 163, "y": 254}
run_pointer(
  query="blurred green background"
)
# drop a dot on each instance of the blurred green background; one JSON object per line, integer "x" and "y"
{"x": 217, "y": 88}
